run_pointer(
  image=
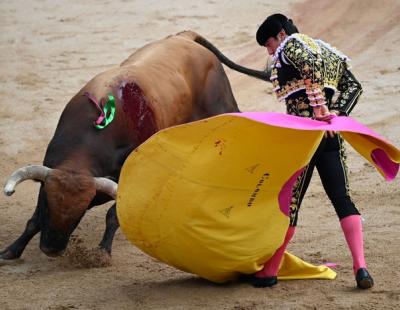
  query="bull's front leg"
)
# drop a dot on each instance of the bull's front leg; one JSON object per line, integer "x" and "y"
{"x": 15, "y": 249}
{"x": 112, "y": 225}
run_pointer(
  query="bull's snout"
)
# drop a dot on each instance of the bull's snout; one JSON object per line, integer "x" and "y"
{"x": 53, "y": 243}
{"x": 51, "y": 252}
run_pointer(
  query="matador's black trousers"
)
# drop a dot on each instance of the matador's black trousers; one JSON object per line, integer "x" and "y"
{"x": 330, "y": 162}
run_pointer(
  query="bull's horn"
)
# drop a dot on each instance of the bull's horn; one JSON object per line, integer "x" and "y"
{"x": 107, "y": 186}
{"x": 25, "y": 173}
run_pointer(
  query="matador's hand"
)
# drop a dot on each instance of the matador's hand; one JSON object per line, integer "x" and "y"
{"x": 322, "y": 113}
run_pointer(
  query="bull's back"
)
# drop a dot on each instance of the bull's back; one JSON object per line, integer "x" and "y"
{"x": 173, "y": 73}
{"x": 180, "y": 81}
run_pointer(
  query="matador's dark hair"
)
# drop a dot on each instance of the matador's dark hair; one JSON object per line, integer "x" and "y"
{"x": 272, "y": 26}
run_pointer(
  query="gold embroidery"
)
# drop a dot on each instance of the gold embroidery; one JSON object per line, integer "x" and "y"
{"x": 302, "y": 106}
{"x": 309, "y": 42}
{"x": 291, "y": 87}
{"x": 321, "y": 65}
{"x": 315, "y": 62}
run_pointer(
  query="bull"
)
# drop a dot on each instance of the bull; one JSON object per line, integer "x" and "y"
{"x": 172, "y": 81}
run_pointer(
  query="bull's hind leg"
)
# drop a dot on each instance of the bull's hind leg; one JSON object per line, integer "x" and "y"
{"x": 16, "y": 249}
{"x": 112, "y": 225}
{"x": 217, "y": 96}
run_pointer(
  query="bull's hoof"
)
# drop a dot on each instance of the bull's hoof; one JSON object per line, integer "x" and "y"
{"x": 101, "y": 258}
{"x": 8, "y": 255}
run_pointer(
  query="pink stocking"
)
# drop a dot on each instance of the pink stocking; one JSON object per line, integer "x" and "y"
{"x": 271, "y": 267}
{"x": 352, "y": 229}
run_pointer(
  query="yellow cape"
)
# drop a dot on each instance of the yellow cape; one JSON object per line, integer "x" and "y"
{"x": 207, "y": 198}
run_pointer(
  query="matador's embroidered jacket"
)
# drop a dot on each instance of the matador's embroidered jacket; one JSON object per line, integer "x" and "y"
{"x": 308, "y": 71}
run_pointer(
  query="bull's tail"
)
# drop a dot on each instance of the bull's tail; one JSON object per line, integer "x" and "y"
{"x": 263, "y": 75}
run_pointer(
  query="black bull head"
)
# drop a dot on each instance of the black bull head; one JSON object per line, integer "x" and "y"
{"x": 58, "y": 192}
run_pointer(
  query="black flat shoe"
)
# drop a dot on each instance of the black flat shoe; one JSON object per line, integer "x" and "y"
{"x": 364, "y": 279}
{"x": 258, "y": 282}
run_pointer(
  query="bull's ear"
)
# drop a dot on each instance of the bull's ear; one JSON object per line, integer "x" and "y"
{"x": 107, "y": 186}
{"x": 34, "y": 172}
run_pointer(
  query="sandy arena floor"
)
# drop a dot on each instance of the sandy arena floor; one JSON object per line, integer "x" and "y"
{"x": 49, "y": 49}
